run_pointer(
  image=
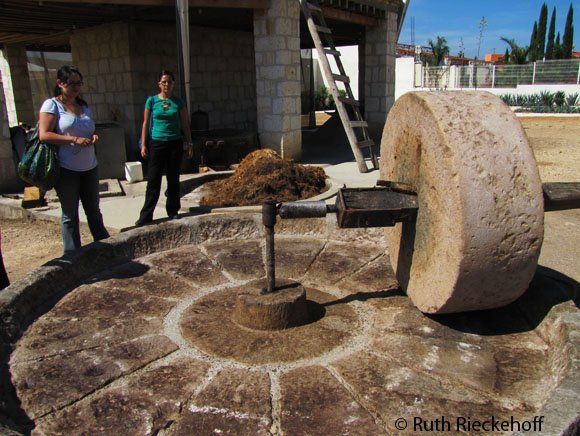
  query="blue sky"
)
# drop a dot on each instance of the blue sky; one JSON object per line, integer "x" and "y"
{"x": 458, "y": 19}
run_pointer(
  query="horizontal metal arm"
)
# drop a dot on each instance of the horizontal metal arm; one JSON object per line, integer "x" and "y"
{"x": 561, "y": 196}
{"x": 305, "y": 209}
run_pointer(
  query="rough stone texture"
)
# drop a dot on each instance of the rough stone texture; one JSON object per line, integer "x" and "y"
{"x": 146, "y": 403}
{"x": 14, "y": 68}
{"x": 189, "y": 263}
{"x": 208, "y": 326}
{"x": 243, "y": 264}
{"x": 50, "y": 383}
{"x": 120, "y": 63}
{"x": 327, "y": 403}
{"x": 235, "y": 402}
{"x": 390, "y": 390}
{"x": 276, "y": 33}
{"x": 379, "y": 63}
{"x": 376, "y": 276}
{"x": 138, "y": 277}
{"x": 9, "y": 180}
{"x": 50, "y": 336}
{"x": 479, "y": 228}
{"x": 283, "y": 308}
{"x": 155, "y": 350}
{"x": 336, "y": 261}
{"x": 294, "y": 255}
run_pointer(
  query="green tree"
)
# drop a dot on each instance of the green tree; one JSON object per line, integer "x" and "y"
{"x": 517, "y": 55}
{"x": 557, "y": 48}
{"x": 568, "y": 38}
{"x": 541, "y": 37}
{"x": 506, "y": 56}
{"x": 551, "y": 32}
{"x": 532, "y": 52}
{"x": 440, "y": 50}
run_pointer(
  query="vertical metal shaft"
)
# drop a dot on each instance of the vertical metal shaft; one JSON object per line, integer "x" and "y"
{"x": 269, "y": 221}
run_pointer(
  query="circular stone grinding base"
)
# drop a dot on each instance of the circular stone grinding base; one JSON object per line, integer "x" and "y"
{"x": 479, "y": 228}
{"x": 150, "y": 347}
{"x": 285, "y": 307}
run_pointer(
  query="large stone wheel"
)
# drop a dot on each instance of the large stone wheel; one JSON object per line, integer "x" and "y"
{"x": 479, "y": 229}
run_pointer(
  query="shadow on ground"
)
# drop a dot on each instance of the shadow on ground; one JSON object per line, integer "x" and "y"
{"x": 328, "y": 144}
{"x": 548, "y": 289}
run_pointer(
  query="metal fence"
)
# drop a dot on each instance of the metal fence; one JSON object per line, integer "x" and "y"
{"x": 436, "y": 78}
{"x": 502, "y": 76}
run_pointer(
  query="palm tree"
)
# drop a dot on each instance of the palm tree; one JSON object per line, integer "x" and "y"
{"x": 518, "y": 54}
{"x": 440, "y": 50}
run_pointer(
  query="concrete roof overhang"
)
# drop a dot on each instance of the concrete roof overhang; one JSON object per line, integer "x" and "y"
{"x": 47, "y": 25}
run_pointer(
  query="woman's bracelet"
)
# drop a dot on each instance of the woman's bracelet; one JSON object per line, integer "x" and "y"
{"x": 74, "y": 141}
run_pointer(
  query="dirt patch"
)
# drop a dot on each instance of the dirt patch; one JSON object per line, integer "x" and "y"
{"x": 264, "y": 174}
{"x": 29, "y": 243}
{"x": 556, "y": 145}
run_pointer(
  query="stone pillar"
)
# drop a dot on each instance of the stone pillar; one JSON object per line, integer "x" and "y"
{"x": 103, "y": 56}
{"x": 379, "y": 71}
{"x": 9, "y": 181}
{"x": 277, "y": 56}
{"x": 14, "y": 68}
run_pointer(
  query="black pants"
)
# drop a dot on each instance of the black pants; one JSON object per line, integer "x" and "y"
{"x": 3, "y": 276}
{"x": 163, "y": 156}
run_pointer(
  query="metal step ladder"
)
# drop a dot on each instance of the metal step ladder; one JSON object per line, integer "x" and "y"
{"x": 348, "y": 107}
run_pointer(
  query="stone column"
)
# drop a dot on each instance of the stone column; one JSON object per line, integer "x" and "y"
{"x": 103, "y": 55}
{"x": 9, "y": 181}
{"x": 379, "y": 70}
{"x": 277, "y": 57}
{"x": 14, "y": 68}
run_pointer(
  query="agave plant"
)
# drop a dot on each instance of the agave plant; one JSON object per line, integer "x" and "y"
{"x": 572, "y": 99}
{"x": 508, "y": 99}
{"x": 560, "y": 98}
{"x": 547, "y": 98}
{"x": 519, "y": 100}
{"x": 530, "y": 100}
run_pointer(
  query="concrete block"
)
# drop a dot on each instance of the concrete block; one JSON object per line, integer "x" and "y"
{"x": 133, "y": 172}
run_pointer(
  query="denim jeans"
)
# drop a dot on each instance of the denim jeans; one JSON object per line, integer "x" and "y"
{"x": 163, "y": 156}
{"x": 71, "y": 187}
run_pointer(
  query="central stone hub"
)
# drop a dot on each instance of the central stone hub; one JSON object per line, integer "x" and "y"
{"x": 321, "y": 323}
{"x": 284, "y": 308}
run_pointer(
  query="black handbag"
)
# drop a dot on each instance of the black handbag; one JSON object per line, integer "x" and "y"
{"x": 39, "y": 165}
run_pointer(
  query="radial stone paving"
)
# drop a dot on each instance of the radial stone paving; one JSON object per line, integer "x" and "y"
{"x": 151, "y": 346}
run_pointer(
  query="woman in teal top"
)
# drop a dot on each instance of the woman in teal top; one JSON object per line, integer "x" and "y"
{"x": 163, "y": 143}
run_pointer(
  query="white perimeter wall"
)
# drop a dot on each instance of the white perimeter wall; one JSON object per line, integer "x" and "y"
{"x": 406, "y": 71}
{"x": 349, "y": 59}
